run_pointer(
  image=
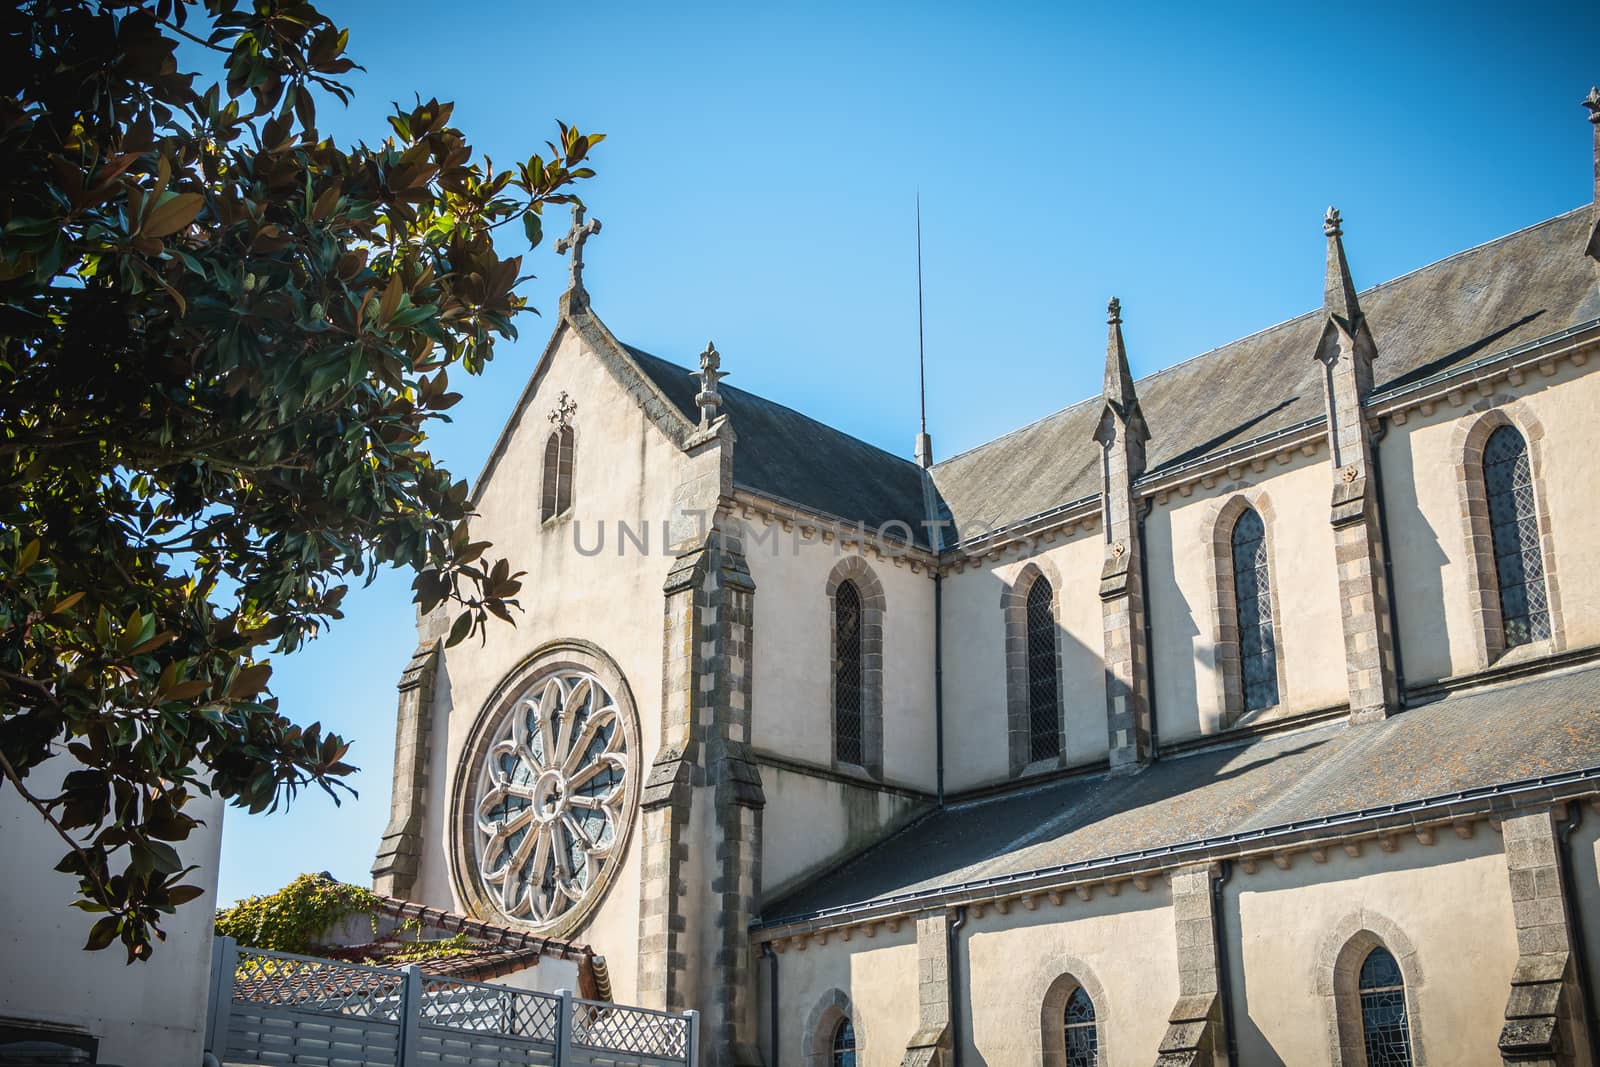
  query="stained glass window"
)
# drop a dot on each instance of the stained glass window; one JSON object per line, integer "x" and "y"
{"x": 847, "y": 747}
{"x": 1514, "y": 526}
{"x": 844, "y": 1045}
{"x": 1383, "y": 1011}
{"x": 1252, "y": 597}
{"x": 1083, "y": 1042}
{"x": 1044, "y": 700}
{"x": 556, "y": 497}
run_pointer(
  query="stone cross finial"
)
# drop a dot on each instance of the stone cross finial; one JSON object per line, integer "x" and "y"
{"x": 561, "y": 414}
{"x": 1114, "y": 311}
{"x": 1592, "y": 102}
{"x": 710, "y": 372}
{"x": 1332, "y": 223}
{"x": 574, "y": 240}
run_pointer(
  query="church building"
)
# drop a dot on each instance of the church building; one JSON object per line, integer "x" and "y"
{"x": 1246, "y": 713}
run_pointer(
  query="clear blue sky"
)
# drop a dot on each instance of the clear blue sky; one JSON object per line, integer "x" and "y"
{"x": 757, "y": 189}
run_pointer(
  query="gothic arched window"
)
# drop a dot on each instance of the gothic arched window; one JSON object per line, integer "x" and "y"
{"x": 844, "y": 1045}
{"x": 1044, "y": 687}
{"x": 1082, "y": 1040}
{"x": 1252, "y": 598}
{"x": 1383, "y": 1011}
{"x": 1514, "y": 529}
{"x": 847, "y": 739}
{"x": 556, "y": 497}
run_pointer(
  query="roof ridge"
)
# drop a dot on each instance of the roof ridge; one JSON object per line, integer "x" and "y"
{"x": 1281, "y": 324}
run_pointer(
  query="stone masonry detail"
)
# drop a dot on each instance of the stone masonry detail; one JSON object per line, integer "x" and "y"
{"x": 930, "y": 1045}
{"x": 1194, "y": 1036}
{"x": 1346, "y": 351}
{"x": 394, "y": 871}
{"x": 1543, "y": 1011}
{"x": 1122, "y": 435}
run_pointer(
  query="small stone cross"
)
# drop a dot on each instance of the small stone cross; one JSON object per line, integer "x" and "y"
{"x": 1114, "y": 311}
{"x": 1592, "y": 102}
{"x": 581, "y": 231}
{"x": 1333, "y": 223}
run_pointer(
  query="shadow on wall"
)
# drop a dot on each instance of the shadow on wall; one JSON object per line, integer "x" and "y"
{"x": 1255, "y": 1046}
{"x": 1418, "y": 564}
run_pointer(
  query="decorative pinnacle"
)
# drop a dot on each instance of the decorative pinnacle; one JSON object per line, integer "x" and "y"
{"x": 1592, "y": 102}
{"x": 1332, "y": 223}
{"x": 1114, "y": 311}
{"x": 710, "y": 372}
{"x": 574, "y": 240}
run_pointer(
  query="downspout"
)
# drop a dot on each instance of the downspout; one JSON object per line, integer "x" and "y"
{"x": 952, "y": 944}
{"x": 1388, "y": 561}
{"x": 1149, "y": 649}
{"x": 938, "y": 681}
{"x": 772, "y": 1011}
{"x": 1224, "y": 976}
{"x": 1580, "y": 948}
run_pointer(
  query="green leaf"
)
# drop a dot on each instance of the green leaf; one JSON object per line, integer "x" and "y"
{"x": 102, "y": 933}
{"x": 533, "y": 226}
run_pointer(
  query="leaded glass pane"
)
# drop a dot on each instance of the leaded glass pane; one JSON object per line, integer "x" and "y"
{"x": 847, "y": 674}
{"x": 1383, "y": 1011}
{"x": 1083, "y": 1043}
{"x": 1252, "y": 596}
{"x": 1044, "y": 700}
{"x": 844, "y": 1045}
{"x": 1514, "y": 529}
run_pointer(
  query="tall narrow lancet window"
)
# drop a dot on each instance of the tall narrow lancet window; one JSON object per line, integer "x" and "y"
{"x": 1514, "y": 527}
{"x": 1044, "y": 687}
{"x": 556, "y": 497}
{"x": 1082, "y": 1041}
{"x": 1252, "y": 598}
{"x": 1383, "y": 1011}
{"x": 844, "y": 1045}
{"x": 847, "y": 739}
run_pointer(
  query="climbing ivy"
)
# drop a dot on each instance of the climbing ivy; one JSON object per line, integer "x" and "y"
{"x": 292, "y": 918}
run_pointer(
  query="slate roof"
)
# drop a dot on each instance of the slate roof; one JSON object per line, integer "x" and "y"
{"x": 1518, "y": 288}
{"x": 1471, "y": 739}
{"x": 784, "y": 454}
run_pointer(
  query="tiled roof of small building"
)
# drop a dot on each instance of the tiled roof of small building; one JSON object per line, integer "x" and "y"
{"x": 1491, "y": 736}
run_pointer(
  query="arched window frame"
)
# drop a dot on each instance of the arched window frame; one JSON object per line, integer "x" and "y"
{"x": 1339, "y": 960}
{"x": 855, "y": 570}
{"x": 1472, "y": 435}
{"x": 844, "y": 1044}
{"x": 822, "y": 1026}
{"x": 555, "y": 491}
{"x": 1229, "y": 670}
{"x": 1053, "y": 1008}
{"x": 1019, "y": 707}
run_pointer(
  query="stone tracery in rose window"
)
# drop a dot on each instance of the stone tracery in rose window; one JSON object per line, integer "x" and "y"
{"x": 551, "y": 795}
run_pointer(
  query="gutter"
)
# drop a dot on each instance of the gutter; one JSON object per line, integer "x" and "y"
{"x": 1580, "y": 947}
{"x": 772, "y": 1010}
{"x": 1467, "y": 804}
{"x": 1224, "y": 974}
{"x": 938, "y": 684}
{"x": 952, "y": 948}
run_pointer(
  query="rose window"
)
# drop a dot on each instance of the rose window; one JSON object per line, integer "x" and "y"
{"x": 551, "y": 797}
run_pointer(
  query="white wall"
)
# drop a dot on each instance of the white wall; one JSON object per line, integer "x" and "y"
{"x": 149, "y": 1014}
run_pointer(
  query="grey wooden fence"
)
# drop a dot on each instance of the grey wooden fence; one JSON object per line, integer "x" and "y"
{"x": 271, "y": 1008}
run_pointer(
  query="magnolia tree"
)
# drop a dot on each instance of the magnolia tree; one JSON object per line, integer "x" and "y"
{"x": 222, "y": 337}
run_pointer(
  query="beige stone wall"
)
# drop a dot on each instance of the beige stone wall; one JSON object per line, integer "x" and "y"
{"x": 1427, "y": 531}
{"x": 793, "y": 650}
{"x": 1121, "y": 949}
{"x": 1450, "y": 901}
{"x": 810, "y": 821}
{"x": 878, "y": 975}
{"x": 625, "y": 469}
{"x": 975, "y": 668}
{"x": 1182, "y": 597}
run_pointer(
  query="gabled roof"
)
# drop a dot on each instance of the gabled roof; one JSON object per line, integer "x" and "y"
{"x": 783, "y": 454}
{"x": 1515, "y": 289}
{"x": 1534, "y": 728}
